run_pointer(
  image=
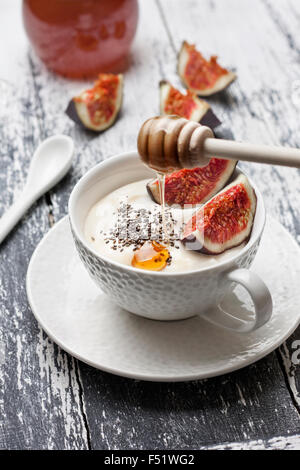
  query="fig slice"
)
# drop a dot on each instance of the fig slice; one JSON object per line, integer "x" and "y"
{"x": 188, "y": 105}
{"x": 201, "y": 76}
{"x": 195, "y": 186}
{"x": 97, "y": 108}
{"x": 224, "y": 222}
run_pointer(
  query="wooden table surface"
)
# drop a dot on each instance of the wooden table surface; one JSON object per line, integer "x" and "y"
{"x": 48, "y": 399}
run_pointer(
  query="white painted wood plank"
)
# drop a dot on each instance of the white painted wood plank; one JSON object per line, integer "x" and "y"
{"x": 40, "y": 392}
{"x": 57, "y": 381}
{"x": 259, "y": 39}
{"x": 260, "y": 106}
{"x": 277, "y": 443}
{"x": 120, "y": 412}
{"x": 13, "y": 44}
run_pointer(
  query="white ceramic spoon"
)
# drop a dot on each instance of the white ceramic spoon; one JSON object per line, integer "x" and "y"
{"x": 51, "y": 161}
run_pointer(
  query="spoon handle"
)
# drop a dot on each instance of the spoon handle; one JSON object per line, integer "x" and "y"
{"x": 228, "y": 149}
{"x": 14, "y": 214}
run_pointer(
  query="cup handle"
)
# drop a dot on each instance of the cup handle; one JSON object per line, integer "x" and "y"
{"x": 260, "y": 296}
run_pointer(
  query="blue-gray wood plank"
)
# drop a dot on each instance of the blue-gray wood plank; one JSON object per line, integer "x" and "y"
{"x": 49, "y": 400}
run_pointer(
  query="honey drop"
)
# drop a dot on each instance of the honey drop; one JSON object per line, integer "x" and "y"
{"x": 152, "y": 256}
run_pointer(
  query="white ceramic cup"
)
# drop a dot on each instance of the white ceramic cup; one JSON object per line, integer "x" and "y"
{"x": 163, "y": 295}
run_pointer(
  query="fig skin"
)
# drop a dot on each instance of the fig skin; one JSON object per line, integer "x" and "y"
{"x": 210, "y": 120}
{"x": 202, "y": 113}
{"x": 223, "y": 178}
{"x": 221, "y": 83}
{"x": 71, "y": 111}
{"x": 153, "y": 191}
{"x": 200, "y": 245}
{"x": 78, "y": 111}
{"x": 197, "y": 246}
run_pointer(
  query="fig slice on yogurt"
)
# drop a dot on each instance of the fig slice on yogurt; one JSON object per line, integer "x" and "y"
{"x": 203, "y": 77}
{"x": 194, "y": 186}
{"x": 224, "y": 222}
{"x": 188, "y": 105}
{"x": 97, "y": 108}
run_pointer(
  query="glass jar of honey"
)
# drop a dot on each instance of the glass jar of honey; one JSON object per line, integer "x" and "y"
{"x": 81, "y": 38}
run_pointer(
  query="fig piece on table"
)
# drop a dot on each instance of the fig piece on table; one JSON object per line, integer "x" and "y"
{"x": 195, "y": 186}
{"x": 202, "y": 77}
{"x": 188, "y": 105}
{"x": 97, "y": 108}
{"x": 224, "y": 222}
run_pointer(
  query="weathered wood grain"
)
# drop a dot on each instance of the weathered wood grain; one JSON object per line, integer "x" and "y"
{"x": 281, "y": 443}
{"x": 40, "y": 395}
{"x": 50, "y": 400}
{"x": 247, "y": 405}
{"x": 161, "y": 64}
{"x": 263, "y": 104}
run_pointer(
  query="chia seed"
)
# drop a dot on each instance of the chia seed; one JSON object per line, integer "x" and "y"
{"x": 136, "y": 226}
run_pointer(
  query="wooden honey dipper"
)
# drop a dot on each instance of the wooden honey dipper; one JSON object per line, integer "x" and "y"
{"x": 168, "y": 143}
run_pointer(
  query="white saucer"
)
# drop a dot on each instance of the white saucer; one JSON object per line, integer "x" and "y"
{"x": 85, "y": 323}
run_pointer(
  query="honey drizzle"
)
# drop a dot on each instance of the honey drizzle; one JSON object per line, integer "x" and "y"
{"x": 161, "y": 183}
{"x": 152, "y": 255}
